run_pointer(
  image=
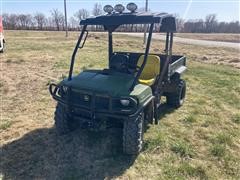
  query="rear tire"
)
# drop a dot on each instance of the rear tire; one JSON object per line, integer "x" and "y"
{"x": 63, "y": 121}
{"x": 176, "y": 99}
{"x": 133, "y": 134}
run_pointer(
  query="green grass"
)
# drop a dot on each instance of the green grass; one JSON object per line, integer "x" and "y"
{"x": 190, "y": 119}
{"x": 218, "y": 150}
{"x": 184, "y": 171}
{"x": 188, "y": 170}
{"x": 200, "y": 140}
{"x": 220, "y": 143}
{"x": 156, "y": 143}
{"x": 5, "y": 124}
{"x": 236, "y": 118}
{"x": 183, "y": 149}
{"x": 222, "y": 138}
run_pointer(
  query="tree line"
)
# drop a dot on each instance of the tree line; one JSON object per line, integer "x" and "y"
{"x": 209, "y": 25}
{"x": 55, "y": 22}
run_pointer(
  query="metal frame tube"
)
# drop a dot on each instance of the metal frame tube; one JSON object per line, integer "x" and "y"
{"x": 75, "y": 52}
{"x": 65, "y": 13}
{"x": 167, "y": 42}
{"x": 110, "y": 46}
{"x": 165, "y": 67}
{"x": 145, "y": 57}
{"x": 171, "y": 44}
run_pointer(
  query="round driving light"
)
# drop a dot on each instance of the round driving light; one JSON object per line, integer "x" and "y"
{"x": 132, "y": 7}
{"x": 119, "y": 8}
{"x": 125, "y": 102}
{"x": 108, "y": 9}
{"x": 86, "y": 98}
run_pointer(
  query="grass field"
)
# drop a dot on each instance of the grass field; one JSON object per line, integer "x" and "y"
{"x": 212, "y": 37}
{"x": 201, "y": 140}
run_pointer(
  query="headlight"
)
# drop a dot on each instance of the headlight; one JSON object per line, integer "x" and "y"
{"x": 119, "y": 8}
{"x": 124, "y": 102}
{"x": 132, "y": 7}
{"x": 86, "y": 98}
{"x": 108, "y": 9}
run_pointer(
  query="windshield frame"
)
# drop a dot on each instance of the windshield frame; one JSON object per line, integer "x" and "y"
{"x": 110, "y": 52}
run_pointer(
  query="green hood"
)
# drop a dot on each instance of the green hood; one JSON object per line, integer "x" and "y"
{"x": 114, "y": 84}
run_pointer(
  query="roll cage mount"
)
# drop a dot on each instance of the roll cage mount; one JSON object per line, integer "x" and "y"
{"x": 112, "y": 21}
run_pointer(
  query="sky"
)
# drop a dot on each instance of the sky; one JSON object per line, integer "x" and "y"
{"x": 226, "y": 10}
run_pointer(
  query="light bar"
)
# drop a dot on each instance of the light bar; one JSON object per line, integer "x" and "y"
{"x": 132, "y": 7}
{"x": 108, "y": 9}
{"x": 119, "y": 8}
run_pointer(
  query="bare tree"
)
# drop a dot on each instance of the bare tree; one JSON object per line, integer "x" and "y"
{"x": 179, "y": 23}
{"x": 25, "y": 20}
{"x": 58, "y": 18}
{"x": 56, "y": 21}
{"x": 81, "y": 14}
{"x": 233, "y": 27}
{"x": 11, "y": 21}
{"x": 49, "y": 23}
{"x": 194, "y": 26}
{"x": 97, "y": 9}
{"x": 22, "y": 19}
{"x": 211, "y": 23}
{"x": 74, "y": 24}
{"x": 5, "y": 19}
{"x": 40, "y": 20}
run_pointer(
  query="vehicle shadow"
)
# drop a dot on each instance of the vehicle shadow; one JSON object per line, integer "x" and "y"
{"x": 164, "y": 110}
{"x": 42, "y": 154}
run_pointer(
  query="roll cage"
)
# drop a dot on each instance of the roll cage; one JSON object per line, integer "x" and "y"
{"x": 111, "y": 22}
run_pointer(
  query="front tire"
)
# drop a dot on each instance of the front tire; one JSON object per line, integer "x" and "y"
{"x": 176, "y": 99}
{"x": 63, "y": 121}
{"x": 133, "y": 134}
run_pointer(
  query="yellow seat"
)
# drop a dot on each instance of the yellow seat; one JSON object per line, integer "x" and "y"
{"x": 151, "y": 69}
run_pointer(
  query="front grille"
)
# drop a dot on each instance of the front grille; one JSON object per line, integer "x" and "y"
{"x": 87, "y": 100}
{"x": 102, "y": 103}
{"x": 80, "y": 99}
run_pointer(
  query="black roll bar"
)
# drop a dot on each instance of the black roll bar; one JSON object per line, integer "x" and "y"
{"x": 75, "y": 52}
{"x": 110, "y": 46}
{"x": 166, "y": 64}
{"x": 145, "y": 57}
{"x": 167, "y": 42}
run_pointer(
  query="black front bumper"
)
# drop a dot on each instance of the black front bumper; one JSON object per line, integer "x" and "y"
{"x": 93, "y": 109}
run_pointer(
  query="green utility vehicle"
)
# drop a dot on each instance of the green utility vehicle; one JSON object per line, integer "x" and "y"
{"x": 128, "y": 92}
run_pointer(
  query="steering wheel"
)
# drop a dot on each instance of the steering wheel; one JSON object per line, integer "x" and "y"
{"x": 119, "y": 62}
{"x": 131, "y": 68}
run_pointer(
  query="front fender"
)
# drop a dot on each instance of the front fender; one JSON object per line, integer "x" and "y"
{"x": 142, "y": 92}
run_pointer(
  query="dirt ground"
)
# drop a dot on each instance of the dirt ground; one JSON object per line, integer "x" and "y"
{"x": 31, "y": 149}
